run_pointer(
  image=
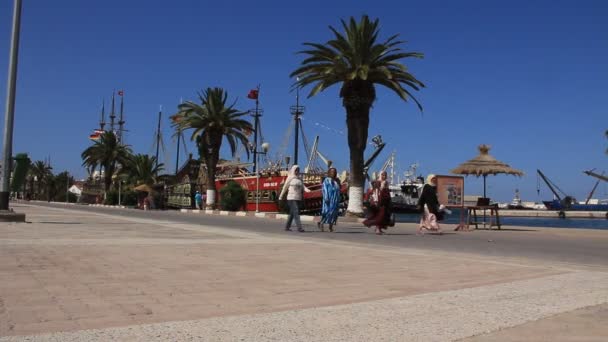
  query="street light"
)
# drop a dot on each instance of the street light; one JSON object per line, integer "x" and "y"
{"x": 265, "y": 147}
{"x": 10, "y": 108}
{"x": 119, "y": 191}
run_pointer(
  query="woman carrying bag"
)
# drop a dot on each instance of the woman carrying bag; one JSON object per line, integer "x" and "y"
{"x": 428, "y": 204}
{"x": 294, "y": 188}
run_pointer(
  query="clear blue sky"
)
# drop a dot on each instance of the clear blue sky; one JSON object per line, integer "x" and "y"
{"x": 529, "y": 78}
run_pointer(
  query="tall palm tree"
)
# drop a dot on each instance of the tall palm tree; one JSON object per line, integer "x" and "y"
{"x": 142, "y": 169}
{"x": 357, "y": 60}
{"x": 211, "y": 121}
{"x": 109, "y": 153}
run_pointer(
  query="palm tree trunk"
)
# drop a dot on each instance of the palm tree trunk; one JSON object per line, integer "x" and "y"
{"x": 357, "y": 121}
{"x": 107, "y": 177}
{"x": 212, "y": 154}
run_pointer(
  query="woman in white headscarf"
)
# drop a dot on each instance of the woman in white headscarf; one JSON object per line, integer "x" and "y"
{"x": 294, "y": 188}
{"x": 429, "y": 206}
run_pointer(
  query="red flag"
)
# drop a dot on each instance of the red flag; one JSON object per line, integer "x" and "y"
{"x": 121, "y": 93}
{"x": 176, "y": 118}
{"x": 253, "y": 94}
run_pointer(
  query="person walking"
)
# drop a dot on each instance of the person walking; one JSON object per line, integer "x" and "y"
{"x": 331, "y": 200}
{"x": 293, "y": 189}
{"x": 198, "y": 199}
{"x": 379, "y": 199}
{"x": 428, "y": 204}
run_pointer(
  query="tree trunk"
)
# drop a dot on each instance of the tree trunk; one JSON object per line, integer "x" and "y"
{"x": 357, "y": 97}
{"x": 107, "y": 177}
{"x": 212, "y": 147}
{"x": 357, "y": 121}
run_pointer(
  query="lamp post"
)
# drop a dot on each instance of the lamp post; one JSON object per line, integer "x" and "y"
{"x": 265, "y": 147}
{"x": 119, "y": 191}
{"x": 11, "y": 87}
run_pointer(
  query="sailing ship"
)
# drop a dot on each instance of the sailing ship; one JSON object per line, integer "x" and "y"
{"x": 263, "y": 183}
{"x": 92, "y": 191}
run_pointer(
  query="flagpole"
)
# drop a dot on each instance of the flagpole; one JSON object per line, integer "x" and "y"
{"x": 11, "y": 89}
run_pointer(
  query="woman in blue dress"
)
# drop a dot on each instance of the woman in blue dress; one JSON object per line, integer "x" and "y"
{"x": 331, "y": 200}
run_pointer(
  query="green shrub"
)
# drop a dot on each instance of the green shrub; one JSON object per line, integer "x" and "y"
{"x": 129, "y": 198}
{"x": 233, "y": 196}
{"x": 111, "y": 198}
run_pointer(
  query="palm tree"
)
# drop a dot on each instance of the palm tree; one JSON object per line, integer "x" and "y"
{"x": 212, "y": 120}
{"x": 143, "y": 169}
{"x": 109, "y": 153}
{"x": 358, "y": 61}
{"x": 41, "y": 172}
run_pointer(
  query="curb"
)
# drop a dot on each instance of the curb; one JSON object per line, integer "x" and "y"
{"x": 277, "y": 216}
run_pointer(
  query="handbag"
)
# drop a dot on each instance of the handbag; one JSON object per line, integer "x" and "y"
{"x": 391, "y": 222}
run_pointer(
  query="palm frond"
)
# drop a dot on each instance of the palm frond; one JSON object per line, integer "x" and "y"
{"x": 355, "y": 54}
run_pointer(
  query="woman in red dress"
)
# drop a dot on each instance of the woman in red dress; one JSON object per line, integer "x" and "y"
{"x": 379, "y": 208}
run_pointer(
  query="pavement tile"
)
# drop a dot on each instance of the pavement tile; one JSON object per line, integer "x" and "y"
{"x": 105, "y": 273}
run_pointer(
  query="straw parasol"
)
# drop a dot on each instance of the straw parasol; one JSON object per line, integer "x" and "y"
{"x": 483, "y": 165}
{"x": 144, "y": 188}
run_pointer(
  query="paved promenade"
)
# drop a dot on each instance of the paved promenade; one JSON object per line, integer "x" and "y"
{"x": 123, "y": 275}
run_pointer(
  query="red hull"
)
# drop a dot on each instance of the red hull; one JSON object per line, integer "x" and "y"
{"x": 270, "y": 188}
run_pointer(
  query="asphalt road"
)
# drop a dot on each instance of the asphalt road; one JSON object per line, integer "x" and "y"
{"x": 582, "y": 247}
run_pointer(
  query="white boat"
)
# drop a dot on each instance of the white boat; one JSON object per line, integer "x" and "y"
{"x": 404, "y": 193}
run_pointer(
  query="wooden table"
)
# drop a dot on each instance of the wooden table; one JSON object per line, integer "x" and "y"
{"x": 472, "y": 217}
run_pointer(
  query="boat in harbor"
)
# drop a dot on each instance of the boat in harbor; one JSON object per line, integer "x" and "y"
{"x": 565, "y": 202}
{"x": 404, "y": 193}
{"x": 516, "y": 203}
{"x": 263, "y": 181}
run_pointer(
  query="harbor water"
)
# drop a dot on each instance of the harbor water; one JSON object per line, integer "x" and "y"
{"x": 584, "y": 223}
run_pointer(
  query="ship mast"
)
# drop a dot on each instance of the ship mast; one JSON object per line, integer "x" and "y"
{"x": 121, "y": 120}
{"x": 102, "y": 123}
{"x": 112, "y": 114}
{"x": 297, "y": 111}
{"x": 257, "y": 113}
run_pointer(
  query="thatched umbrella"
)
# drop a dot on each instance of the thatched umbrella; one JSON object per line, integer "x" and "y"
{"x": 144, "y": 188}
{"x": 483, "y": 165}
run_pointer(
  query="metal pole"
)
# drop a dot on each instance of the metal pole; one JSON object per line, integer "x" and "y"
{"x": 256, "y": 123}
{"x": 257, "y": 189}
{"x": 160, "y": 112}
{"x": 67, "y": 188}
{"x": 5, "y": 173}
{"x": 179, "y": 136}
{"x": 484, "y": 196}
{"x": 297, "y": 118}
{"x": 119, "y": 189}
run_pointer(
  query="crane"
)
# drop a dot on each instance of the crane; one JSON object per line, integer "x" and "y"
{"x": 551, "y": 185}
{"x": 598, "y": 176}
{"x": 593, "y": 190}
